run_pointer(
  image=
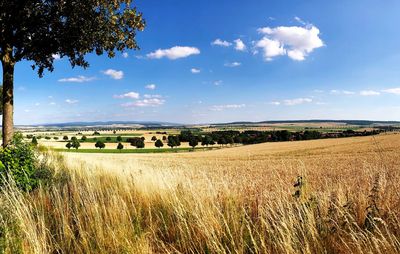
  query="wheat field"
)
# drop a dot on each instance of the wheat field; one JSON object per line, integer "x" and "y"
{"x": 320, "y": 196}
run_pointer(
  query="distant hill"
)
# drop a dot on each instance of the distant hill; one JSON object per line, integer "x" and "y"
{"x": 349, "y": 122}
{"x": 107, "y": 123}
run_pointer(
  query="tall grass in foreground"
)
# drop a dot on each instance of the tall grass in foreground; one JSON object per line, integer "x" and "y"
{"x": 83, "y": 211}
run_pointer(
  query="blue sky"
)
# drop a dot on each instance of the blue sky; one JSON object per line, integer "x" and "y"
{"x": 221, "y": 61}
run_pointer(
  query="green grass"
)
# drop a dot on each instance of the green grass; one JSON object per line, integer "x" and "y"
{"x": 148, "y": 150}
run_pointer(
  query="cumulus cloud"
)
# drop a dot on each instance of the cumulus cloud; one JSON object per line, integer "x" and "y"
{"x": 296, "y": 42}
{"x": 151, "y": 86}
{"x": 195, "y": 71}
{"x": 114, "y": 74}
{"x": 395, "y": 90}
{"x": 130, "y": 95}
{"x": 369, "y": 93}
{"x": 233, "y": 64}
{"x": 153, "y": 102}
{"x": 125, "y": 55}
{"x": 228, "y": 106}
{"x": 174, "y": 53}
{"x": 70, "y": 101}
{"x": 79, "y": 79}
{"x": 239, "y": 45}
{"x": 219, "y": 42}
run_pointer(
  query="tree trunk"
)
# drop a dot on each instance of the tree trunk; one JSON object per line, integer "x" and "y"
{"x": 8, "y": 99}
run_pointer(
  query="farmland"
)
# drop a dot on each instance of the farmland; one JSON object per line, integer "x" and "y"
{"x": 314, "y": 196}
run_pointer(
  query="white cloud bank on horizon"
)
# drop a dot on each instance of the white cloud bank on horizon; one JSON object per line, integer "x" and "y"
{"x": 174, "y": 53}
{"x": 295, "y": 42}
{"x": 369, "y": 93}
{"x": 228, "y": 106}
{"x": 292, "y": 102}
{"x": 152, "y": 102}
{"x": 395, "y": 90}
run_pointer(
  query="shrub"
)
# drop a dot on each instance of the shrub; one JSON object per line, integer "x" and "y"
{"x": 100, "y": 145}
{"x": 120, "y": 146}
{"x": 19, "y": 162}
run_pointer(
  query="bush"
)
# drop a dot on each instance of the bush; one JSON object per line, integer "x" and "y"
{"x": 19, "y": 162}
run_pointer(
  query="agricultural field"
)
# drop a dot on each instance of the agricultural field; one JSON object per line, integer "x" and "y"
{"x": 316, "y": 196}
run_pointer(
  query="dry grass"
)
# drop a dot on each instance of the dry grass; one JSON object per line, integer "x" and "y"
{"x": 237, "y": 200}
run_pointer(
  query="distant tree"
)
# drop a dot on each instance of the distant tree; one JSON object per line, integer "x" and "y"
{"x": 39, "y": 137}
{"x": 108, "y": 138}
{"x": 74, "y": 139}
{"x": 29, "y": 136}
{"x": 34, "y": 141}
{"x": 68, "y": 145}
{"x": 65, "y": 138}
{"x": 100, "y": 144}
{"x": 55, "y": 138}
{"x": 120, "y": 146}
{"x": 47, "y": 138}
{"x": 140, "y": 144}
{"x": 193, "y": 142}
{"x": 114, "y": 132}
{"x": 173, "y": 141}
{"x": 119, "y": 139}
{"x": 154, "y": 138}
{"x": 76, "y": 144}
{"x": 143, "y": 138}
{"x": 164, "y": 138}
{"x": 83, "y": 138}
{"x": 159, "y": 143}
{"x": 206, "y": 140}
{"x": 96, "y": 133}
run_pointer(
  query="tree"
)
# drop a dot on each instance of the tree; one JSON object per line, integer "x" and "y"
{"x": 159, "y": 143}
{"x": 120, "y": 146}
{"x": 76, "y": 144}
{"x": 34, "y": 141}
{"x": 74, "y": 139}
{"x": 164, "y": 138}
{"x": 140, "y": 143}
{"x": 68, "y": 145}
{"x": 193, "y": 142}
{"x": 65, "y": 138}
{"x": 100, "y": 144}
{"x": 42, "y": 30}
{"x": 154, "y": 138}
{"x": 83, "y": 138}
{"x": 108, "y": 138}
{"x": 119, "y": 139}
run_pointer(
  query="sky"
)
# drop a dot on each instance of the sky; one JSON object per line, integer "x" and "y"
{"x": 230, "y": 60}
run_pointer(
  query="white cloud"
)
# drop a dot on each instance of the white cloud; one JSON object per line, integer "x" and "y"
{"x": 56, "y": 56}
{"x": 150, "y": 96}
{"x": 233, "y": 64}
{"x": 151, "y": 86}
{"x": 69, "y": 101}
{"x": 228, "y": 106}
{"x": 339, "y": 92}
{"x": 52, "y": 103}
{"x": 114, "y": 74}
{"x": 276, "y": 103}
{"x": 369, "y": 93}
{"x": 294, "y": 41}
{"x": 239, "y": 45}
{"x": 79, "y": 79}
{"x": 297, "y": 101}
{"x": 154, "y": 102}
{"x": 130, "y": 95}
{"x": 174, "y": 53}
{"x": 222, "y": 43}
{"x": 395, "y": 90}
{"x": 195, "y": 71}
{"x": 300, "y": 20}
{"x": 218, "y": 82}
{"x": 125, "y": 55}
{"x": 270, "y": 48}
{"x": 37, "y": 104}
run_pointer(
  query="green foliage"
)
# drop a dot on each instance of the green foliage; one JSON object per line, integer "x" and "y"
{"x": 34, "y": 141}
{"x": 193, "y": 142}
{"x": 68, "y": 145}
{"x": 154, "y": 138}
{"x": 159, "y": 143}
{"x": 19, "y": 162}
{"x": 83, "y": 138}
{"x": 65, "y": 138}
{"x": 76, "y": 144}
{"x": 120, "y": 146}
{"x": 140, "y": 144}
{"x": 108, "y": 138}
{"x": 119, "y": 138}
{"x": 100, "y": 144}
